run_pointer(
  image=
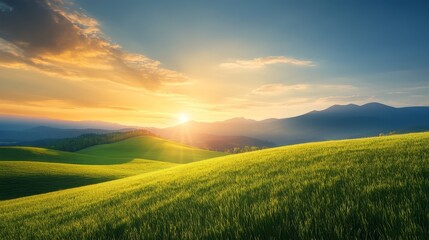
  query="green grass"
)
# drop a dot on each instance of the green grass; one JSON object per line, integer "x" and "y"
{"x": 22, "y": 178}
{"x": 152, "y": 148}
{"x": 366, "y": 188}
{"x": 26, "y": 171}
{"x": 54, "y": 156}
{"x": 147, "y": 147}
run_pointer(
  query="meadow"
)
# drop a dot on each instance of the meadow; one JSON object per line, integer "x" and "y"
{"x": 151, "y": 148}
{"x": 363, "y": 188}
{"x": 26, "y": 171}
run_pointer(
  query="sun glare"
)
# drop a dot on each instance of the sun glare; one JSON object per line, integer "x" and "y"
{"x": 183, "y": 117}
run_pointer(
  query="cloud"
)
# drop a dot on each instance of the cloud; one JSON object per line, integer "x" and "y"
{"x": 5, "y": 8}
{"x": 53, "y": 37}
{"x": 346, "y": 99}
{"x": 263, "y": 61}
{"x": 274, "y": 88}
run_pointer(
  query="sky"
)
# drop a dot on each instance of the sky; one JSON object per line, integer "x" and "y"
{"x": 151, "y": 63}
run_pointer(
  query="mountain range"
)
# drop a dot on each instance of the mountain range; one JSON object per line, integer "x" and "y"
{"x": 335, "y": 122}
{"x": 18, "y": 123}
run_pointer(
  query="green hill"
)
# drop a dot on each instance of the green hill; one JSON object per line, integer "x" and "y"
{"x": 147, "y": 147}
{"x": 366, "y": 188}
{"x": 25, "y": 178}
{"x": 54, "y": 156}
{"x": 26, "y": 171}
{"x": 86, "y": 140}
{"x": 152, "y": 148}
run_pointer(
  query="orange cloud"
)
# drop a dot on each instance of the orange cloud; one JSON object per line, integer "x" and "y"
{"x": 52, "y": 37}
{"x": 278, "y": 87}
{"x": 275, "y": 88}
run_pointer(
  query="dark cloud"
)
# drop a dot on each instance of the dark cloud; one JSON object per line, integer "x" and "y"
{"x": 35, "y": 27}
{"x": 54, "y": 38}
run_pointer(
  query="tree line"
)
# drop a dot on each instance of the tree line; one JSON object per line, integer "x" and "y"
{"x": 88, "y": 140}
{"x": 244, "y": 149}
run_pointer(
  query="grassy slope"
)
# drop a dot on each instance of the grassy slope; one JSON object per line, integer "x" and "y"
{"x": 146, "y": 147}
{"x": 54, "y": 156}
{"x": 151, "y": 148}
{"x": 375, "y": 187}
{"x": 25, "y": 171}
{"x": 25, "y": 178}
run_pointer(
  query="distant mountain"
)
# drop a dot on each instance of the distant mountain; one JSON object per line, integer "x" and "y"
{"x": 42, "y": 132}
{"x": 17, "y": 123}
{"x": 17, "y": 129}
{"x": 211, "y": 141}
{"x": 336, "y": 122}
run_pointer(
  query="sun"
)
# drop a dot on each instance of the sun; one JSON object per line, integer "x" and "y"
{"x": 183, "y": 118}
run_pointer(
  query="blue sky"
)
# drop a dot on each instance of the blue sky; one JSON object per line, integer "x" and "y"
{"x": 254, "y": 59}
{"x": 379, "y": 44}
{"x": 352, "y": 37}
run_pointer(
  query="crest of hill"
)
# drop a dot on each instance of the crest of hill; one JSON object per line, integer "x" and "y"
{"x": 26, "y": 171}
{"x": 87, "y": 140}
{"x": 142, "y": 147}
{"x": 152, "y": 148}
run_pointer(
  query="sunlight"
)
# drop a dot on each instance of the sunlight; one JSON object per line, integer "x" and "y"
{"x": 183, "y": 118}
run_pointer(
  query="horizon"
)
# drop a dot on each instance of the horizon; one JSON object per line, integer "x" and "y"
{"x": 127, "y": 62}
{"x": 192, "y": 120}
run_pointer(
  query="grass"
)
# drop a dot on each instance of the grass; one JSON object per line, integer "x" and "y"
{"x": 23, "y": 178}
{"x": 35, "y": 154}
{"x": 366, "y": 188}
{"x": 26, "y": 171}
{"x": 146, "y": 147}
{"x": 152, "y": 148}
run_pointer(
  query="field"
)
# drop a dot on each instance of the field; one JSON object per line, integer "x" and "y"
{"x": 25, "y": 178}
{"x": 26, "y": 171}
{"x": 365, "y": 188}
{"x": 150, "y": 148}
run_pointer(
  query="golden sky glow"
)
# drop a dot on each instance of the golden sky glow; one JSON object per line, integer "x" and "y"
{"x": 183, "y": 118}
{"x": 62, "y": 65}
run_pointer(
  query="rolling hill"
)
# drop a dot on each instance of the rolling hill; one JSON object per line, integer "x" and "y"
{"x": 153, "y": 148}
{"x": 87, "y": 140}
{"x": 26, "y": 171}
{"x": 36, "y": 134}
{"x": 54, "y": 156}
{"x": 26, "y": 178}
{"x": 365, "y": 188}
{"x": 13, "y": 137}
{"x": 213, "y": 142}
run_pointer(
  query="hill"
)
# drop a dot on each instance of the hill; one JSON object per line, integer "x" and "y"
{"x": 26, "y": 178}
{"x": 213, "y": 142}
{"x": 153, "y": 148}
{"x": 365, "y": 188}
{"x": 336, "y": 122}
{"x": 28, "y": 136}
{"x": 144, "y": 147}
{"x": 26, "y": 171}
{"x": 87, "y": 140}
{"x": 15, "y": 153}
